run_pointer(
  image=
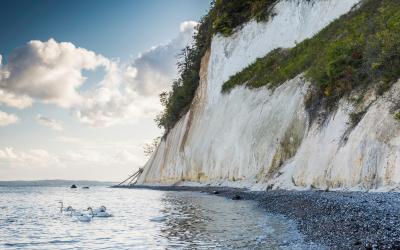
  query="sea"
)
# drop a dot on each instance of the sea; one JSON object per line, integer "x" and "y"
{"x": 31, "y": 218}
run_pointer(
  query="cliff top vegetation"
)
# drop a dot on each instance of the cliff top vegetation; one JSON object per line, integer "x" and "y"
{"x": 360, "y": 48}
{"x": 223, "y": 17}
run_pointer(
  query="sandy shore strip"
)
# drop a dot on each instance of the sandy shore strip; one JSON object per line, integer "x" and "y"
{"x": 338, "y": 220}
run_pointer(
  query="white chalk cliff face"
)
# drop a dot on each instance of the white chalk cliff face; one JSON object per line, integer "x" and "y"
{"x": 261, "y": 138}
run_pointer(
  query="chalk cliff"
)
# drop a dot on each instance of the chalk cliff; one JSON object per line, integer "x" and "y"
{"x": 265, "y": 138}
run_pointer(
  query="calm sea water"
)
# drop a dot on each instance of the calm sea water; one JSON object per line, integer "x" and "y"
{"x": 30, "y": 218}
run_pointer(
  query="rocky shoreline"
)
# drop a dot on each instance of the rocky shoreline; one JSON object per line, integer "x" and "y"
{"x": 338, "y": 220}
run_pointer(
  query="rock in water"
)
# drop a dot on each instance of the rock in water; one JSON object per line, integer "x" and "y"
{"x": 236, "y": 197}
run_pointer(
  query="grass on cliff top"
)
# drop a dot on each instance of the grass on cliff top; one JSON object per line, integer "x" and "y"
{"x": 359, "y": 48}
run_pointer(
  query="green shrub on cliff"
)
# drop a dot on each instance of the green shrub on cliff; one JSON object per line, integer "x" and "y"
{"x": 177, "y": 102}
{"x": 397, "y": 116}
{"x": 223, "y": 17}
{"x": 359, "y": 48}
{"x": 231, "y": 14}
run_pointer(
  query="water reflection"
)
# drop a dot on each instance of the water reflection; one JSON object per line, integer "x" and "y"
{"x": 143, "y": 219}
{"x": 194, "y": 220}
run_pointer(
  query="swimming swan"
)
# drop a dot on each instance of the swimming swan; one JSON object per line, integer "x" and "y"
{"x": 65, "y": 209}
{"x": 100, "y": 209}
{"x": 100, "y": 212}
{"x": 69, "y": 210}
{"x": 84, "y": 217}
{"x": 76, "y": 214}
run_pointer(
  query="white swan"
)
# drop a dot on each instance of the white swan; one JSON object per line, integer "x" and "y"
{"x": 100, "y": 209}
{"x": 65, "y": 209}
{"x": 62, "y": 209}
{"x": 76, "y": 214}
{"x": 68, "y": 210}
{"x": 84, "y": 217}
{"x": 100, "y": 212}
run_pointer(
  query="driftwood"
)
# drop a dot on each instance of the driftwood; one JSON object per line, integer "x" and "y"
{"x": 132, "y": 179}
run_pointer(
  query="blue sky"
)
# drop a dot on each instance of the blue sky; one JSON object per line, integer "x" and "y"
{"x": 79, "y": 102}
{"x": 112, "y": 28}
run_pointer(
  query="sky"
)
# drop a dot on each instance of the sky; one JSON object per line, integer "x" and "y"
{"x": 79, "y": 83}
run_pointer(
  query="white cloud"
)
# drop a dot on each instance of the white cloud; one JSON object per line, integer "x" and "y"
{"x": 9, "y": 157}
{"x": 49, "y": 71}
{"x": 85, "y": 161}
{"x": 156, "y": 68}
{"x": 52, "y": 72}
{"x": 131, "y": 92}
{"x": 49, "y": 122}
{"x": 108, "y": 106}
{"x": 68, "y": 139}
{"x": 96, "y": 156}
{"x": 7, "y": 119}
{"x": 100, "y": 159}
{"x": 15, "y": 101}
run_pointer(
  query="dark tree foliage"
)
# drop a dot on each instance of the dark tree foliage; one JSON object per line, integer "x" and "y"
{"x": 223, "y": 17}
{"x": 177, "y": 102}
{"x": 231, "y": 14}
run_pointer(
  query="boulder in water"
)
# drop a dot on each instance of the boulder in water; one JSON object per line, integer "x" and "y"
{"x": 236, "y": 197}
{"x": 73, "y": 186}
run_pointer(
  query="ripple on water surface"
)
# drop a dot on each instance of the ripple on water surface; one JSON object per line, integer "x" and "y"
{"x": 30, "y": 218}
